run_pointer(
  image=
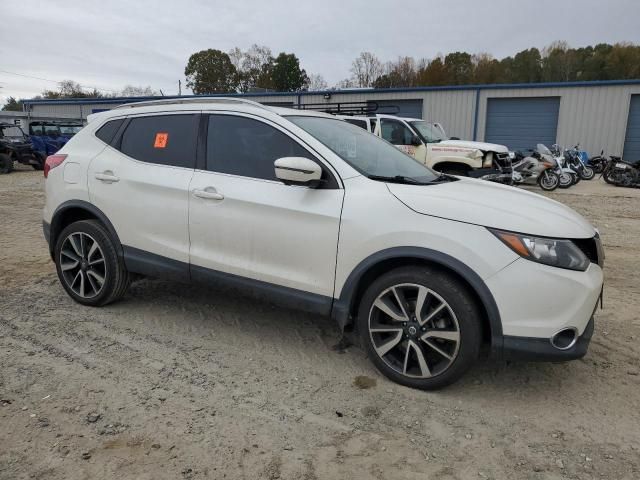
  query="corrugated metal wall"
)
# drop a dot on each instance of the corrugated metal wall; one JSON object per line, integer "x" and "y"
{"x": 594, "y": 116}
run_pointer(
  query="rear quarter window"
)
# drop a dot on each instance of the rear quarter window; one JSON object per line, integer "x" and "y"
{"x": 107, "y": 131}
{"x": 162, "y": 139}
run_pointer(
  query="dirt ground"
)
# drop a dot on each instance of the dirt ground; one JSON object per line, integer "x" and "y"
{"x": 181, "y": 382}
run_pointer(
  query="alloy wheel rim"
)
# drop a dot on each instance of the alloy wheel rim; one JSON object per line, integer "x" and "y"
{"x": 83, "y": 265}
{"x": 414, "y": 331}
{"x": 548, "y": 180}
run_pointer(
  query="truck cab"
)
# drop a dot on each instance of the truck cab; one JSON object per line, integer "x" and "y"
{"x": 429, "y": 144}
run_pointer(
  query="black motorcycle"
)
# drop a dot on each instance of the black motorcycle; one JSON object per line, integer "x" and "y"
{"x": 598, "y": 163}
{"x": 622, "y": 173}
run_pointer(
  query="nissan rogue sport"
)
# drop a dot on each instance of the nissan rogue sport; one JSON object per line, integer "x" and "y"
{"x": 314, "y": 213}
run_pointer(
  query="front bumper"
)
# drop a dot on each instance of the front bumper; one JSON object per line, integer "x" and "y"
{"x": 540, "y": 349}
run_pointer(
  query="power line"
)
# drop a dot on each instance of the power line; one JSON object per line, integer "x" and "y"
{"x": 56, "y": 81}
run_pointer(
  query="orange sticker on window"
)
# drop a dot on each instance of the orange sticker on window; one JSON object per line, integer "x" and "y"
{"x": 161, "y": 140}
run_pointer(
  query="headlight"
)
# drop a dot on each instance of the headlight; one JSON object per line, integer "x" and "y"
{"x": 550, "y": 251}
{"x": 512, "y": 155}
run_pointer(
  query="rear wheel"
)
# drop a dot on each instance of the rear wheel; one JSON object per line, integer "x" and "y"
{"x": 420, "y": 327}
{"x": 88, "y": 265}
{"x": 6, "y": 163}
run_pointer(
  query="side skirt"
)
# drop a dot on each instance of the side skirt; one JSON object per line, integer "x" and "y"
{"x": 152, "y": 265}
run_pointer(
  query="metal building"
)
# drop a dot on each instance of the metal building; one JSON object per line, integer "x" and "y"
{"x": 598, "y": 115}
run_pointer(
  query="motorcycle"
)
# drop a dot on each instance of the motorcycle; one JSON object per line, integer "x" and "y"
{"x": 622, "y": 173}
{"x": 573, "y": 161}
{"x": 538, "y": 168}
{"x": 598, "y": 163}
{"x": 567, "y": 176}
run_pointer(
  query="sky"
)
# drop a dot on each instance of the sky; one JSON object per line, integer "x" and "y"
{"x": 109, "y": 44}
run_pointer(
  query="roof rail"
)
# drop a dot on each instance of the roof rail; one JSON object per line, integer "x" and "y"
{"x": 176, "y": 101}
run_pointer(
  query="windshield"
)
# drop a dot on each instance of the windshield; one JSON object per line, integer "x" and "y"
{"x": 428, "y": 132}
{"x": 70, "y": 129}
{"x": 51, "y": 130}
{"x": 542, "y": 149}
{"x": 11, "y": 132}
{"x": 365, "y": 152}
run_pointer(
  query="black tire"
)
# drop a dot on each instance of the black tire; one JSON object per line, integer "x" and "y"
{"x": 548, "y": 180}
{"x": 460, "y": 302}
{"x": 6, "y": 163}
{"x": 587, "y": 173}
{"x": 40, "y": 165}
{"x": 609, "y": 177}
{"x": 115, "y": 275}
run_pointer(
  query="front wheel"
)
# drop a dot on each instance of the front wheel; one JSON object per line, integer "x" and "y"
{"x": 587, "y": 173}
{"x": 610, "y": 176}
{"x": 566, "y": 180}
{"x": 88, "y": 265}
{"x": 548, "y": 181}
{"x": 420, "y": 327}
{"x": 6, "y": 163}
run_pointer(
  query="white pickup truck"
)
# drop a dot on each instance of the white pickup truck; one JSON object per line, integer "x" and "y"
{"x": 428, "y": 143}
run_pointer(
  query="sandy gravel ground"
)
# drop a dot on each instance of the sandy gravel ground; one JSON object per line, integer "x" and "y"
{"x": 180, "y": 382}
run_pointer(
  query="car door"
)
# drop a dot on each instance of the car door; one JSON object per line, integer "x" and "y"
{"x": 398, "y": 133}
{"x": 244, "y": 222}
{"x": 141, "y": 183}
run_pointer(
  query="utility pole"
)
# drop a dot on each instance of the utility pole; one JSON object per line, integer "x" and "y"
{"x": 179, "y": 88}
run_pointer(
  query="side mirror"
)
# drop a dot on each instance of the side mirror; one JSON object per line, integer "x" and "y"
{"x": 298, "y": 171}
{"x": 415, "y": 141}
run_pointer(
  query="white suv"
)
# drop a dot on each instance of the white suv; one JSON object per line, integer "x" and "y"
{"x": 313, "y": 212}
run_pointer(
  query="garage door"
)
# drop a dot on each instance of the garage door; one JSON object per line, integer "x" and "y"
{"x": 632, "y": 139}
{"x": 521, "y": 123}
{"x": 401, "y": 108}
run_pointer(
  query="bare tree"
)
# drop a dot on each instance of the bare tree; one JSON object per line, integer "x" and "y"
{"x": 317, "y": 82}
{"x": 133, "y": 91}
{"x": 366, "y": 69}
{"x": 253, "y": 66}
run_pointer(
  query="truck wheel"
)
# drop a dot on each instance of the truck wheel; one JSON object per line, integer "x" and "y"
{"x": 40, "y": 159}
{"x": 420, "y": 326}
{"x": 6, "y": 163}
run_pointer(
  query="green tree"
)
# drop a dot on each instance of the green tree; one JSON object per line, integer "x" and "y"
{"x": 286, "y": 75}
{"x": 12, "y": 105}
{"x": 459, "y": 68}
{"x": 486, "y": 69}
{"x": 434, "y": 73}
{"x": 210, "y": 71}
{"x": 526, "y": 66}
{"x": 623, "y": 61}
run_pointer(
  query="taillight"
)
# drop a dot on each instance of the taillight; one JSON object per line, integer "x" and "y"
{"x": 53, "y": 161}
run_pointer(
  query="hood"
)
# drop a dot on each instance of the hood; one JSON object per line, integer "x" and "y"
{"x": 485, "y": 147}
{"x": 496, "y": 206}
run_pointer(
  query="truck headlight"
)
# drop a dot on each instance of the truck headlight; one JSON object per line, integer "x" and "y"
{"x": 549, "y": 251}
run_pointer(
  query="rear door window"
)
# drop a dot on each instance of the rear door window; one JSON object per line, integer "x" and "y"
{"x": 357, "y": 123}
{"x": 162, "y": 139}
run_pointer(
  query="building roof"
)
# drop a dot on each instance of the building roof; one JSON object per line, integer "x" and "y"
{"x": 497, "y": 86}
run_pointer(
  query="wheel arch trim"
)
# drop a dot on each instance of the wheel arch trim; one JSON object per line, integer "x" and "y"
{"x": 343, "y": 306}
{"x": 58, "y": 215}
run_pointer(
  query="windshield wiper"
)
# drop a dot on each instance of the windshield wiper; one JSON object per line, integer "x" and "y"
{"x": 410, "y": 180}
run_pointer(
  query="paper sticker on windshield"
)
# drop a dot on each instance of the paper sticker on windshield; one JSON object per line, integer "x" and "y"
{"x": 161, "y": 140}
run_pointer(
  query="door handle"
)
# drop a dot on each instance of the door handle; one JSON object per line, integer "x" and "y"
{"x": 107, "y": 177}
{"x": 209, "y": 193}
